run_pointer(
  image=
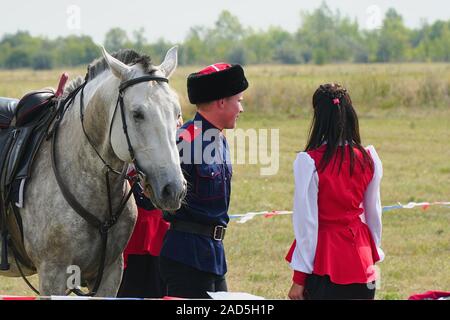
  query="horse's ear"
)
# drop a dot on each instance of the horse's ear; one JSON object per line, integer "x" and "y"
{"x": 118, "y": 68}
{"x": 170, "y": 62}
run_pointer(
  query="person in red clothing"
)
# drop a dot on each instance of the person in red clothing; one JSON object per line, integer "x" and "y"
{"x": 337, "y": 206}
{"x": 142, "y": 276}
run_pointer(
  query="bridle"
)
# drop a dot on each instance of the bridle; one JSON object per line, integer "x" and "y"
{"x": 123, "y": 86}
{"x": 102, "y": 226}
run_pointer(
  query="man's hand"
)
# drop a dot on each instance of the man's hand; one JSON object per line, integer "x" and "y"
{"x": 296, "y": 292}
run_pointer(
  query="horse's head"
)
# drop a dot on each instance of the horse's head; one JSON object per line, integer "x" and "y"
{"x": 151, "y": 110}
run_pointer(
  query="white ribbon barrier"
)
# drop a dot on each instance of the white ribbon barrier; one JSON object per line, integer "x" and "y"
{"x": 243, "y": 218}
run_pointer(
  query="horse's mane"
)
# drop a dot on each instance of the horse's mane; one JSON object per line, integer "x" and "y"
{"x": 98, "y": 66}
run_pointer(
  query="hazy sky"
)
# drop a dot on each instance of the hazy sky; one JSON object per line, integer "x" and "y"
{"x": 171, "y": 19}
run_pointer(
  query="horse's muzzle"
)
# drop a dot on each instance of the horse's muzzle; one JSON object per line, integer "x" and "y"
{"x": 170, "y": 196}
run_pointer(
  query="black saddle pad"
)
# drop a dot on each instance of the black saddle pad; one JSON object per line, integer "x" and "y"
{"x": 18, "y": 147}
{"x": 8, "y": 108}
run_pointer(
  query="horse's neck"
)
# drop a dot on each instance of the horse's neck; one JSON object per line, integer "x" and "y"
{"x": 82, "y": 168}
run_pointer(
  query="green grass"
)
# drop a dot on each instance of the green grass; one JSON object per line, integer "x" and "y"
{"x": 412, "y": 138}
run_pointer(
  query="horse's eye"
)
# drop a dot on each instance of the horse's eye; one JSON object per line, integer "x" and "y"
{"x": 138, "y": 115}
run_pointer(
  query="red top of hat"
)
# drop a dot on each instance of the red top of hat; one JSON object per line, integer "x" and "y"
{"x": 215, "y": 68}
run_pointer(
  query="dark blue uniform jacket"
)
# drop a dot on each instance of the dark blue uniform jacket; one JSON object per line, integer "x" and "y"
{"x": 206, "y": 165}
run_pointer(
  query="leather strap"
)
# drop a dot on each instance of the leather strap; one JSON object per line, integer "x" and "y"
{"x": 134, "y": 81}
{"x": 214, "y": 232}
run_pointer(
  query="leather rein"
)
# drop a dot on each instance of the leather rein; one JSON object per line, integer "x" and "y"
{"x": 102, "y": 226}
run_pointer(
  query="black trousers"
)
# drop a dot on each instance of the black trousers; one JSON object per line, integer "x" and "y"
{"x": 184, "y": 281}
{"x": 321, "y": 288}
{"x": 142, "y": 278}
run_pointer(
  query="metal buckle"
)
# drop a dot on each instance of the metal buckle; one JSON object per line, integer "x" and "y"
{"x": 219, "y": 233}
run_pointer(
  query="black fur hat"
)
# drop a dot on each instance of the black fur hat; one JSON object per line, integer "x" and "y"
{"x": 216, "y": 82}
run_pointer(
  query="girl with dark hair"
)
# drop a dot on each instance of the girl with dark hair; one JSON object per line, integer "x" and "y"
{"x": 337, "y": 206}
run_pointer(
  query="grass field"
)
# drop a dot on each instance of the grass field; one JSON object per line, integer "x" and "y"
{"x": 404, "y": 112}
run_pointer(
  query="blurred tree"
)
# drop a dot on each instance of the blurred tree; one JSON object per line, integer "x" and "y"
{"x": 283, "y": 46}
{"x": 42, "y": 61}
{"x": 440, "y": 37}
{"x": 324, "y": 36}
{"x": 228, "y": 27}
{"x": 158, "y": 49}
{"x": 18, "y": 58}
{"x": 393, "y": 42}
{"x": 258, "y": 47}
{"x": 116, "y": 39}
{"x": 194, "y": 47}
{"x": 139, "y": 39}
{"x": 237, "y": 55}
{"x": 226, "y": 34}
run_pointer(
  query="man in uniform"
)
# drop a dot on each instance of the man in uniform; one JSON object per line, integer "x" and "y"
{"x": 192, "y": 257}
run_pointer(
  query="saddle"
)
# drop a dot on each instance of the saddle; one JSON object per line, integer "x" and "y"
{"x": 23, "y": 126}
{"x": 8, "y": 107}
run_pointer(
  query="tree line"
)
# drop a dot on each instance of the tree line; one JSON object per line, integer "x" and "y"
{"x": 324, "y": 36}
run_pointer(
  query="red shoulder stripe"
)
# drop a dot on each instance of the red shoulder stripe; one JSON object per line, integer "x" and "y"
{"x": 190, "y": 133}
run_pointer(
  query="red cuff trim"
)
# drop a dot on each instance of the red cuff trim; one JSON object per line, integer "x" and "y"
{"x": 299, "y": 277}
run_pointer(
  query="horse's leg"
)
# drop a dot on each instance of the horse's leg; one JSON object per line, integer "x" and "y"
{"x": 52, "y": 279}
{"x": 112, "y": 276}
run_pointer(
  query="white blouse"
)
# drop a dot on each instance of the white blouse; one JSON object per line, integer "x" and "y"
{"x": 305, "y": 211}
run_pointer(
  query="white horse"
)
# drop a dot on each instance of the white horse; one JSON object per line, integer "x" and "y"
{"x": 59, "y": 241}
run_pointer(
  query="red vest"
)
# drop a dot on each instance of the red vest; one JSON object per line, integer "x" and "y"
{"x": 345, "y": 248}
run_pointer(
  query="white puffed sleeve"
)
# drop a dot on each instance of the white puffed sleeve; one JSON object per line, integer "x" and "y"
{"x": 305, "y": 213}
{"x": 372, "y": 202}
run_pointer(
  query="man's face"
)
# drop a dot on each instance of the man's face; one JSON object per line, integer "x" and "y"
{"x": 232, "y": 107}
